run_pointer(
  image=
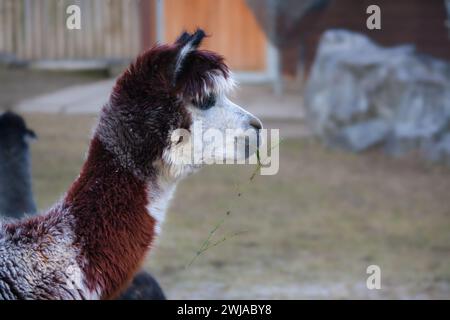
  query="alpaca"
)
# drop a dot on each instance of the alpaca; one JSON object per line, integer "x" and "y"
{"x": 16, "y": 196}
{"x": 90, "y": 244}
{"x": 143, "y": 287}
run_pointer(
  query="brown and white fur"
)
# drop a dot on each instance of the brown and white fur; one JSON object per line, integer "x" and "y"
{"x": 91, "y": 243}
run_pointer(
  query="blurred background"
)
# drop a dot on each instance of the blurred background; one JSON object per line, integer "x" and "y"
{"x": 364, "y": 114}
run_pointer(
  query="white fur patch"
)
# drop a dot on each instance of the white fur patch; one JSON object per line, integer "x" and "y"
{"x": 181, "y": 56}
{"x": 221, "y": 85}
{"x": 160, "y": 194}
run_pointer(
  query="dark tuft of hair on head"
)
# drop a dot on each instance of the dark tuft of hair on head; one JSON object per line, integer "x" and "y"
{"x": 187, "y": 43}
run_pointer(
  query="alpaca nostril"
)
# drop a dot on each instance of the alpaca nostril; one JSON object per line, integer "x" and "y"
{"x": 256, "y": 123}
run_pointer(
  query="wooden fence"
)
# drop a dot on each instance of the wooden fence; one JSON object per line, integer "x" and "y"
{"x": 36, "y": 29}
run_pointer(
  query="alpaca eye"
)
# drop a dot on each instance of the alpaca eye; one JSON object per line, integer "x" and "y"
{"x": 208, "y": 102}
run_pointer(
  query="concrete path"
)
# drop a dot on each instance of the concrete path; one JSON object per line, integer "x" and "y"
{"x": 88, "y": 98}
{"x": 285, "y": 112}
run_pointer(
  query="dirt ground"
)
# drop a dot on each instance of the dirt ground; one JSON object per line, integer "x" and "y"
{"x": 308, "y": 232}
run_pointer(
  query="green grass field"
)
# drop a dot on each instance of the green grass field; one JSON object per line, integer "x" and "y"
{"x": 308, "y": 232}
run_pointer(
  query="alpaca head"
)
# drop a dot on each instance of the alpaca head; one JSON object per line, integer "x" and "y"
{"x": 164, "y": 105}
{"x": 14, "y": 134}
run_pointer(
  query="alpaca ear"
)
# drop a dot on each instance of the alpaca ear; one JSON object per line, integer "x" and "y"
{"x": 30, "y": 134}
{"x": 186, "y": 43}
{"x": 183, "y": 38}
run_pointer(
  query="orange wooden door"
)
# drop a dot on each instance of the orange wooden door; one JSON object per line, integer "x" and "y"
{"x": 233, "y": 29}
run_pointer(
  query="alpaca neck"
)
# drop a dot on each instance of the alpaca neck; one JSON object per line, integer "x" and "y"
{"x": 16, "y": 197}
{"x": 113, "y": 227}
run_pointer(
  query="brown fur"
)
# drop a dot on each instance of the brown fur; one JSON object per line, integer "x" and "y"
{"x": 113, "y": 227}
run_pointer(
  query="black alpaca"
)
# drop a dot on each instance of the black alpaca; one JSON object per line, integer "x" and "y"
{"x": 143, "y": 287}
{"x": 16, "y": 196}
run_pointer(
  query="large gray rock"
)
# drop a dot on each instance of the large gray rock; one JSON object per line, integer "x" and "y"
{"x": 439, "y": 150}
{"x": 360, "y": 94}
{"x": 362, "y": 135}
